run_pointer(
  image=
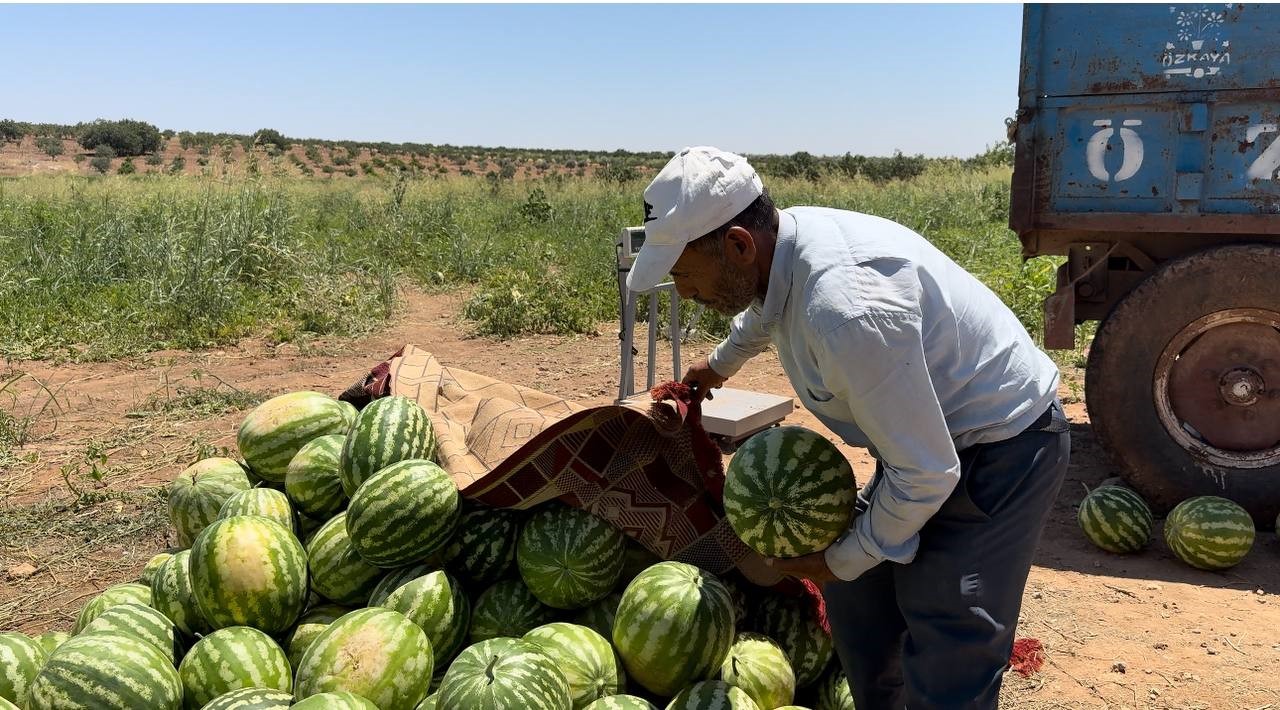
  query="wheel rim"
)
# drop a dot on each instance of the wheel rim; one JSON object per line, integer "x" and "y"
{"x": 1217, "y": 387}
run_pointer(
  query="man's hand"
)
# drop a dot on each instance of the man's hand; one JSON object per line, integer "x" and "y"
{"x": 703, "y": 379}
{"x": 813, "y": 567}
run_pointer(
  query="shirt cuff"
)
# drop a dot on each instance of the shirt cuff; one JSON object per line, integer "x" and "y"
{"x": 724, "y": 362}
{"x": 848, "y": 559}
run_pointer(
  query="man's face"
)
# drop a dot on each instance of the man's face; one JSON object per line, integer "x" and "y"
{"x": 723, "y": 284}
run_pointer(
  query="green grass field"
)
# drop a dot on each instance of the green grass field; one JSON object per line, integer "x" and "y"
{"x": 101, "y": 268}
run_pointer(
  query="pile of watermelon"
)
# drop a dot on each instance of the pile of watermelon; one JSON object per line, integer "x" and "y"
{"x": 1206, "y": 532}
{"x": 335, "y": 566}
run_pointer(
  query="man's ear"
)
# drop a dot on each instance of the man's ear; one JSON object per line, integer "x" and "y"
{"x": 739, "y": 246}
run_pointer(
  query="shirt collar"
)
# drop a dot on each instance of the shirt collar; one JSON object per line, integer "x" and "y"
{"x": 775, "y": 299}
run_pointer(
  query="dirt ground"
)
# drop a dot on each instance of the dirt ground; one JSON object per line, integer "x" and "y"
{"x": 1119, "y": 632}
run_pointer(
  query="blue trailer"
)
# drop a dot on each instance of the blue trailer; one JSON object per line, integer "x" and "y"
{"x": 1148, "y": 154}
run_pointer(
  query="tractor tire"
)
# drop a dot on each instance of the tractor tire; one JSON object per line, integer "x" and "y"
{"x": 1183, "y": 381}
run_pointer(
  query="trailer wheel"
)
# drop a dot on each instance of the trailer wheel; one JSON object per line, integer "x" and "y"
{"x": 1183, "y": 381}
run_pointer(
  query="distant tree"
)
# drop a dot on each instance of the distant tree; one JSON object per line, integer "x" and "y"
{"x": 270, "y": 136}
{"x": 10, "y": 131}
{"x": 102, "y": 158}
{"x": 155, "y": 159}
{"x": 51, "y": 145}
{"x": 618, "y": 171}
{"x": 179, "y": 163}
{"x": 126, "y": 137}
{"x": 126, "y": 167}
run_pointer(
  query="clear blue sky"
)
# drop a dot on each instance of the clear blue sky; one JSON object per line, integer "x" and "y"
{"x": 932, "y": 79}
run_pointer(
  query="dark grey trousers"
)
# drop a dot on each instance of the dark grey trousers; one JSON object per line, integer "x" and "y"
{"x": 937, "y": 633}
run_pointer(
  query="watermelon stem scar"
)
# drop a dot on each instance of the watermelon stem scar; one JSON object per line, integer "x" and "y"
{"x": 489, "y": 671}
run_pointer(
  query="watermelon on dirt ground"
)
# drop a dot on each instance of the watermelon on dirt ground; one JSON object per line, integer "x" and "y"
{"x": 197, "y": 494}
{"x": 173, "y": 596}
{"x": 387, "y": 431}
{"x": 309, "y": 627}
{"x": 51, "y": 640}
{"x": 1116, "y": 519}
{"x": 375, "y": 653}
{"x": 1208, "y": 532}
{"x": 712, "y": 694}
{"x": 503, "y": 674}
{"x": 129, "y": 592}
{"x": 436, "y": 602}
{"x": 792, "y": 623}
{"x": 20, "y": 660}
{"x": 339, "y": 700}
{"x": 758, "y": 665}
{"x": 312, "y": 479}
{"x": 153, "y": 565}
{"x": 507, "y": 608}
{"x": 106, "y": 671}
{"x": 251, "y": 699}
{"x": 621, "y": 702}
{"x": 403, "y": 513}
{"x": 273, "y": 432}
{"x": 265, "y": 502}
{"x": 586, "y": 658}
{"x": 230, "y": 659}
{"x": 483, "y": 547}
{"x": 568, "y": 557}
{"x": 833, "y": 691}
{"x": 141, "y": 622}
{"x": 674, "y": 627}
{"x": 789, "y": 492}
{"x": 338, "y": 573}
{"x": 249, "y": 571}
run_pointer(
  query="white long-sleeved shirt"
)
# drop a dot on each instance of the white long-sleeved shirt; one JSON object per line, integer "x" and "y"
{"x": 896, "y": 348}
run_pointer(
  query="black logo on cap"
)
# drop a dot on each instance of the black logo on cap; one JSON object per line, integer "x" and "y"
{"x": 648, "y": 213}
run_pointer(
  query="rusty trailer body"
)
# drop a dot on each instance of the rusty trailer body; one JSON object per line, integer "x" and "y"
{"x": 1148, "y": 154}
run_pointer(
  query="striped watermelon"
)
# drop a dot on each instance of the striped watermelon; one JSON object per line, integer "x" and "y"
{"x": 349, "y": 413}
{"x": 790, "y": 621}
{"x": 117, "y": 594}
{"x": 438, "y": 605}
{"x": 375, "y": 653}
{"x": 265, "y": 502}
{"x": 483, "y": 546}
{"x": 1115, "y": 519}
{"x": 1208, "y": 532}
{"x": 173, "y": 596}
{"x": 274, "y": 431}
{"x": 6, "y": 705}
{"x": 389, "y": 430}
{"x": 249, "y": 571}
{"x": 709, "y": 694}
{"x": 506, "y": 609}
{"x": 568, "y": 557}
{"x": 674, "y": 626}
{"x": 251, "y": 699}
{"x": 833, "y": 692}
{"x": 310, "y": 625}
{"x": 197, "y": 494}
{"x": 312, "y": 479}
{"x": 586, "y": 659}
{"x": 758, "y": 666}
{"x": 598, "y": 616}
{"x": 20, "y": 660}
{"x": 337, "y": 572}
{"x": 152, "y": 566}
{"x": 621, "y": 702}
{"x": 789, "y": 492}
{"x": 51, "y": 640}
{"x": 105, "y": 671}
{"x": 428, "y": 703}
{"x": 340, "y": 700}
{"x": 403, "y": 513}
{"x": 140, "y": 622}
{"x": 397, "y": 578}
{"x": 503, "y": 674}
{"x": 737, "y": 595}
{"x": 230, "y": 659}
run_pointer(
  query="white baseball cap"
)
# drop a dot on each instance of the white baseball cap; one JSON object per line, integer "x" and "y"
{"x": 697, "y": 191}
